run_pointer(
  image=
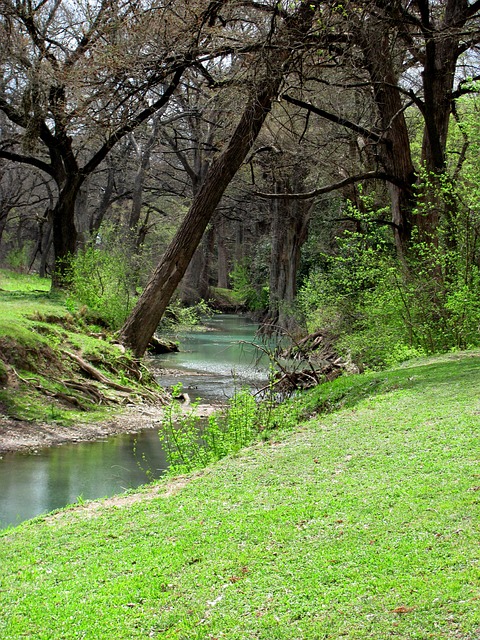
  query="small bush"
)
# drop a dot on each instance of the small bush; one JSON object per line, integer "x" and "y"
{"x": 178, "y": 318}
{"x": 102, "y": 281}
{"x": 244, "y": 291}
{"x": 191, "y": 442}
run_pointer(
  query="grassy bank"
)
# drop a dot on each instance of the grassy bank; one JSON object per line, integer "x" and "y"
{"x": 56, "y": 364}
{"x": 363, "y": 523}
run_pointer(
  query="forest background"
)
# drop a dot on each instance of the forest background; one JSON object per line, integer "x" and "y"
{"x": 318, "y": 159}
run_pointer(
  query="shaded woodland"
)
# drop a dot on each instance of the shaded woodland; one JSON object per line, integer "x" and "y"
{"x": 314, "y": 163}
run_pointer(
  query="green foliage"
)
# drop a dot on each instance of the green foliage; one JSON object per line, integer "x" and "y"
{"x": 245, "y": 292}
{"x": 18, "y": 258}
{"x": 103, "y": 281}
{"x": 382, "y": 311}
{"x": 178, "y": 318}
{"x": 192, "y": 442}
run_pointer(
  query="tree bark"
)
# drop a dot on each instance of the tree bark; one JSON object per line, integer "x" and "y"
{"x": 394, "y": 144}
{"x": 222, "y": 254}
{"x": 64, "y": 233}
{"x": 442, "y": 48}
{"x": 194, "y": 285}
{"x": 142, "y": 322}
{"x": 289, "y": 231}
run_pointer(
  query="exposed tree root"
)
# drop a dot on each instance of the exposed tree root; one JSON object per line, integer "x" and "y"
{"x": 96, "y": 374}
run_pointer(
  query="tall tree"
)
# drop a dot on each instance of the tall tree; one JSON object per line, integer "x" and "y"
{"x": 77, "y": 79}
{"x": 406, "y": 55}
{"x": 287, "y": 32}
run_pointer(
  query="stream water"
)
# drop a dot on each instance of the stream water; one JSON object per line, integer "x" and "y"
{"x": 212, "y": 364}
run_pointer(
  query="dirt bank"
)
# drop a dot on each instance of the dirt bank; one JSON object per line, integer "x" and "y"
{"x": 19, "y": 435}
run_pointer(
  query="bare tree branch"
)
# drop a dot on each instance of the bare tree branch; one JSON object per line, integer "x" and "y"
{"x": 334, "y": 118}
{"x": 370, "y": 175}
{"x": 34, "y": 162}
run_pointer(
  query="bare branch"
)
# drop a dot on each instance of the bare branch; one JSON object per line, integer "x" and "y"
{"x": 334, "y": 118}
{"x": 33, "y": 162}
{"x": 370, "y": 175}
{"x": 129, "y": 126}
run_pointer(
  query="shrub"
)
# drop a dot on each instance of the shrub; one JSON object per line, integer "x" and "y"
{"x": 102, "y": 280}
{"x": 254, "y": 297}
{"x": 191, "y": 442}
{"x": 178, "y": 318}
{"x": 382, "y": 311}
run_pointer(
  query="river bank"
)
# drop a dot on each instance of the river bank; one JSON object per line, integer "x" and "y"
{"x": 361, "y": 523}
{"x": 64, "y": 381}
{"x": 26, "y": 436}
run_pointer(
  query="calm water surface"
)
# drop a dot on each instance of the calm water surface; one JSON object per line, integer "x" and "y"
{"x": 212, "y": 364}
{"x": 215, "y": 362}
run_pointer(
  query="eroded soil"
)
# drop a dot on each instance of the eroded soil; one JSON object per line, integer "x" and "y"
{"x": 20, "y": 435}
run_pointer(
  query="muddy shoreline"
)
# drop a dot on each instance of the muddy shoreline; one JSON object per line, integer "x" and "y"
{"x": 21, "y": 435}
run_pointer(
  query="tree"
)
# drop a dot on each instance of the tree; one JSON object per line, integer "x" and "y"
{"x": 77, "y": 79}
{"x": 269, "y": 66}
{"x": 405, "y": 54}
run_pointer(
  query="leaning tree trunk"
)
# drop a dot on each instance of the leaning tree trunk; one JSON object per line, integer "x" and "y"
{"x": 142, "y": 322}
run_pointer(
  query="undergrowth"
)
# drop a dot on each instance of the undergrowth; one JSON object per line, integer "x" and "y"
{"x": 193, "y": 442}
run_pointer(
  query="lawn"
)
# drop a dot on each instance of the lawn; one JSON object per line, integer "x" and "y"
{"x": 359, "y": 523}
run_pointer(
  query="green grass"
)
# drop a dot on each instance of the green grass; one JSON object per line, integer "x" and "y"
{"x": 13, "y": 281}
{"x": 363, "y": 523}
{"x": 36, "y": 326}
{"x": 21, "y": 296}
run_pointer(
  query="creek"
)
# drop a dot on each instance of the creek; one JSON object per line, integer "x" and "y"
{"x": 212, "y": 363}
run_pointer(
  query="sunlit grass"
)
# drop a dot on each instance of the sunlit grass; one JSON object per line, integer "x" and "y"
{"x": 13, "y": 281}
{"x": 362, "y": 523}
{"x": 36, "y": 328}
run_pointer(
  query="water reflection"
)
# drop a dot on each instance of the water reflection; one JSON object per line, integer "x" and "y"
{"x": 212, "y": 364}
{"x": 35, "y": 484}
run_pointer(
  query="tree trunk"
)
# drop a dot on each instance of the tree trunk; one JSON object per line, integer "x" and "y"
{"x": 289, "y": 231}
{"x": 142, "y": 322}
{"x": 3, "y": 221}
{"x": 194, "y": 286}
{"x": 64, "y": 233}
{"x": 394, "y": 147}
{"x": 106, "y": 200}
{"x": 239, "y": 252}
{"x": 441, "y": 53}
{"x": 81, "y": 214}
{"x": 45, "y": 252}
{"x": 222, "y": 254}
